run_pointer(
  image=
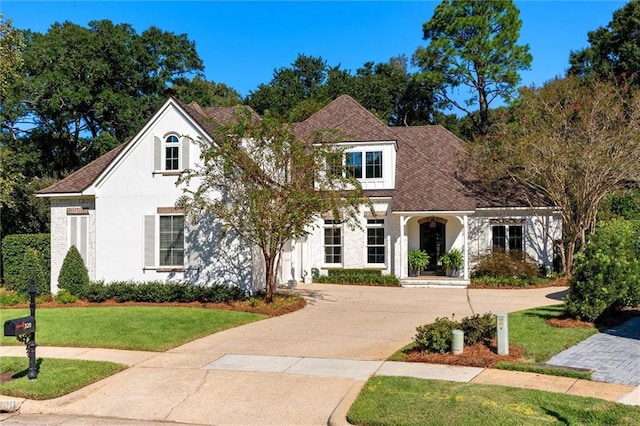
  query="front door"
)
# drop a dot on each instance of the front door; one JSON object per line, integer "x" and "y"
{"x": 432, "y": 241}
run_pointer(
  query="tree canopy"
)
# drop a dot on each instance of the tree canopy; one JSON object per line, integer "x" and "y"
{"x": 614, "y": 51}
{"x": 259, "y": 180}
{"x": 473, "y": 44}
{"x": 572, "y": 140}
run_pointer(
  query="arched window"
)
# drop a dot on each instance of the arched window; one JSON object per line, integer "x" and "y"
{"x": 172, "y": 153}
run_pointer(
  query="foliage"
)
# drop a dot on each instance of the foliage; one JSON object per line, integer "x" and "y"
{"x": 31, "y": 273}
{"x": 10, "y": 297}
{"x": 607, "y": 273}
{"x": 98, "y": 86}
{"x": 387, "y": 89}
{"x": 453, "y": 259}
{"x": 502, "y": 264}
{"x": 205, "y": 93}
{"x": 13, "y": 249}
{"x": 417, "y": 259}
{"x": 56, "y": 377}
{"x": 543, "y": 369}
{"x": 486, "y": 280}
{"x": 408, "y": 401}
{"x": 624, "y": 204}
{"x": 65, "y": 297}
{"x": 612, "y": 53}
{"x": 11, "y": 45}
{"x": 569, "y": 142}
{"x": 273, "y": 185}
{"x": 159, "y": 292}
{"x": 436, "y": 336}
{"x": 473, "y": 44}
{"x": 144, "y": 328}
{"x": 73, "y": 275}
{"x": 358, "y": 276}
{"x": 478, "y": 328}
{"x": 27, "y": 214}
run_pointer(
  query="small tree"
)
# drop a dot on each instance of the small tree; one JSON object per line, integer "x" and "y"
{"x": 31, "y": 272}
{"x": 73, "y": 275}
{"x": 268, "y": 186}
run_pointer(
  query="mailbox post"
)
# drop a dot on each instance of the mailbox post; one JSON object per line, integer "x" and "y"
{"x": 24, "y": 329}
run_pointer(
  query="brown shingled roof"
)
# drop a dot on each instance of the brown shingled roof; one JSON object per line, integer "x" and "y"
{"x": 81, "y": 179}
{"x": 354, "y": 121}
{"x": 207, "y": 117}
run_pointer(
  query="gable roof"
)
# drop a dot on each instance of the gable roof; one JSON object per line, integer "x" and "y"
{"x": 354, "y": 122}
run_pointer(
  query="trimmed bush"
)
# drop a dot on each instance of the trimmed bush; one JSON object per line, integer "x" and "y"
{"x": 159, "y": 292}
{"x": 13, "y": 249}
{"x": 73, "y": 275}
{"x": 509, "y": 282}
{"x": 478, "y": 328}
{"x": 30, "y": 272}
{"x": 500, "y": 264}
{"x": 10, "y": 297}
{"x": 357, "y": 276}
{"x": 65, "y": 297}
{"x": 437, "y": 336}
{"x": 607, "y": 275}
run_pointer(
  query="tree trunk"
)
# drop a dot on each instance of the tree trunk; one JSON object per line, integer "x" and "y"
{"x": 270, "y": 277}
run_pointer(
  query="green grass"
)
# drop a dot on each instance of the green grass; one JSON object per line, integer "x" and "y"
{"x": 408, "y": 401}
{"x": 126, "y": 327}
{"x": 56, "y": 377}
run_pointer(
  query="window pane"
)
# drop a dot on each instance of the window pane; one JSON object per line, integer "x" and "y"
{"x": 374, "y": 164}
{"x": 171, "y": 240}
{"x": 375, "y": 255}
{"x": 171, "y": 158}
{"x": 499, "y": 238}
{"x": 332, "y": 244}
{"x": 375, "y": 236}
{"x": 515, "y": 238}
{"x": 354, "y": 164}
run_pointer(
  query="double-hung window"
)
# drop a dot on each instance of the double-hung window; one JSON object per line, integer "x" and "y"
{"x": 507, "y": 238}
{"x": 372, "y": 165}
{"x": 171, "y": 245}
{"x": 375, "y": 241}
{"x": 172, "y": 153}
{"x": 332, "y": 241}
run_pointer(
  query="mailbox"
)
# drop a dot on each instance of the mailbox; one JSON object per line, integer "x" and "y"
{"x": 20, "y": 326}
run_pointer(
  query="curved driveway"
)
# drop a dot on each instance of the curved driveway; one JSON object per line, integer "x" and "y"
{"x": 347, "y": 322}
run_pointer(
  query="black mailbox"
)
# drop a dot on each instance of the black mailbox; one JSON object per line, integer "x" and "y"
{"x": 20, "y": 326}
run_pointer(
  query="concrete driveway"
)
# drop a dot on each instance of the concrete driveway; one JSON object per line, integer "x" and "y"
{"x": 345, "y": 322}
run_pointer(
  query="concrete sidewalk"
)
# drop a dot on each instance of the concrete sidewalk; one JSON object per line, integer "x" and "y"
{"x": 302, "y": 368}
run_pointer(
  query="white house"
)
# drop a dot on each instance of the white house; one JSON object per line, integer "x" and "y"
{"x": 120, "y": 209}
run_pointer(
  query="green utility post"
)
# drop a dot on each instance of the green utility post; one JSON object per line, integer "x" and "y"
{"x": 502, "y": 325}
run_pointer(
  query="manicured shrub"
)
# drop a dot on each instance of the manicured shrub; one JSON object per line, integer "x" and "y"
{"x": 13, "y": 249}
{"x": 73, "y": 274}
{"x": 508, "y": 282}
{"x": 478, "y": 327}
{"x": 65, "y": 297}
{"x": 500, "y": 264}
{"x": 607, "y": 275}
{"x": 435, "y": 337}
{"x": 10, "y": 297}
{"x": 30, "y": 272}
{"x": 357, "y": 276}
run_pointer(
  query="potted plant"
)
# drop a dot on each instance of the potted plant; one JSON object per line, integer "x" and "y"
{"x": 417, "y": 260}
{"x": 452, "y": 261}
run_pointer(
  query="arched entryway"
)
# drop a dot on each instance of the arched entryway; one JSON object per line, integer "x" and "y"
{"x": 432, "y": 239}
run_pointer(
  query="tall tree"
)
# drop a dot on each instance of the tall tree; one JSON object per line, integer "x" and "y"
{"x": 205, "y": 93}
{"x": 270, "y": 185}
{"x": 87, "y": 89}
{"x": 11, "y": 45}
{"x": 614, "y": 51}
{"x": 574, "y": 142}
{"x": 473, "y": 44}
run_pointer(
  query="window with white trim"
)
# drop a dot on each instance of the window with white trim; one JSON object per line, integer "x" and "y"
{"x": 375, "y": 241}
{"x": 372, "y": 165}
{"x": 172, "y": 153}
{"x": 164, "y": 241}
{"x": 507, "y": 238}
{"x": 332, "y": 241}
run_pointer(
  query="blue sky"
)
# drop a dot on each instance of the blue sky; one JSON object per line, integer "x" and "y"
{"x": 241, "y": 42}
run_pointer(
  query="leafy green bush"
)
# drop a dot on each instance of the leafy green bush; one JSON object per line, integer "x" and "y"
{"x": 500, "y": 264}
{"x": 435, "y": 337}
{"x": 30, "y": 272}
{"x": 65, "y": 297}
{"x": 159, "y": 292}
{"x": 73, "y": 274}
{"x": 478, "y": 327}
{"x": 607, "y": 275}
{"x": 508, "y": 282}
{"x": 13, "y": 249}
{"x": 10, "y": 297}
{"x": 357, "y": 276}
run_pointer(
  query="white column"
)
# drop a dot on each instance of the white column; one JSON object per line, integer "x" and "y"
{"x": 465, "y": 223}
{"x": 404, "y": 245}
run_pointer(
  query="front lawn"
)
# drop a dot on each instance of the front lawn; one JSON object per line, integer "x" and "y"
{"x": 56, "y": 377}
{"x": 408, "y": 401}
{"x": 145, "y": 328}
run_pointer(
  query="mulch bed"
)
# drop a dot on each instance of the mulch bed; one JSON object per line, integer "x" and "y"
{"x": 280, "y": 306}
{"x": 479, "y": 355}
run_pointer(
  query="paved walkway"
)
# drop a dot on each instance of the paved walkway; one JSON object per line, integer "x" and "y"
{"x": 613, "y": 355}
{"x": 304, "y": 368}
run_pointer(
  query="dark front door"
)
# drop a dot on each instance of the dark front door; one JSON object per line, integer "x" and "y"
{"x": 432, "y": 241}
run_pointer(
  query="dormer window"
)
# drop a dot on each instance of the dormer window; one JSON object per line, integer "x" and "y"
{"x": 372, "y": 165}
{"x": 172, "y": 153}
